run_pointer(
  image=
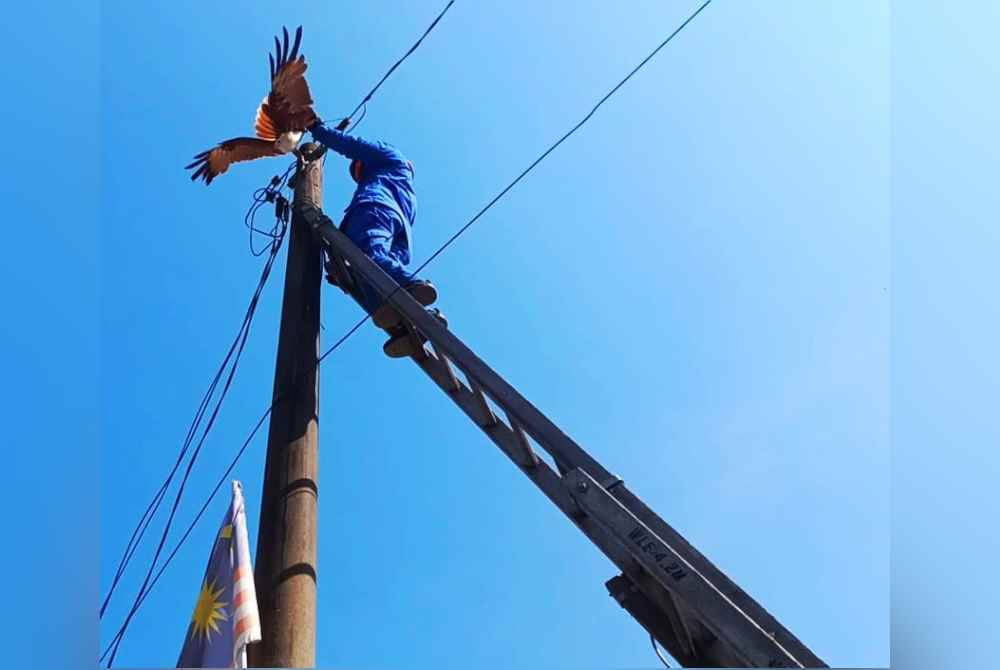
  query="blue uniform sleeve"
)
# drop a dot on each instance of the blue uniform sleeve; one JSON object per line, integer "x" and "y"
{"x": 372, "y": 153}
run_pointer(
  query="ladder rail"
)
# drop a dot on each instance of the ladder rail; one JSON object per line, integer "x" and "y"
{"x": 536, "y": 424}
{"x": 540, "y": 474}
{"x": 748, "y": 618}
{"x": 556, "y": 488}
{"x": 337, "y": 268}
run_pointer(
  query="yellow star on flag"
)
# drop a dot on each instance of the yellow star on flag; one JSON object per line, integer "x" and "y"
{"x": 207, "y": 611}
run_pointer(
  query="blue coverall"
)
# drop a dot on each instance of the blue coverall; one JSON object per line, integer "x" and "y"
{"x": 381, "y": 213}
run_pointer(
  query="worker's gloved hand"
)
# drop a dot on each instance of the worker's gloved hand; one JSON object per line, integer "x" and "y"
{"x": 342, "y": 126}
{"x": 315, "y": 122}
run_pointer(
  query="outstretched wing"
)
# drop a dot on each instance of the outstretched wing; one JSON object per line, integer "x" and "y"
{"x": 210, "y": 164}
{"x": 288, "y": 107}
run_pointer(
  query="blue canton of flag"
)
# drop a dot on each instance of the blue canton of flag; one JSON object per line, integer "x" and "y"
{"x": 225, "y": 617}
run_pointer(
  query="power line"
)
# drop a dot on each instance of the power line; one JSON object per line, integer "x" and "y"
{"x": 208, "y": 501}
{"x": 241, "y": 344}
{"x": 528, "y": 169}
{"x": 403, "y": 58}
{"x": 269, "y": 193}
{"x": 264, "y": 194}
{"x": 444, "y": 246}
{"x": 357, "y": 121}
{"x": 561, "y": 139}
{"x": 194, "y": 456}
{"x": 121, "y": 631}
{"x": 261, "y": 196}
{"x": 479, "y": 214}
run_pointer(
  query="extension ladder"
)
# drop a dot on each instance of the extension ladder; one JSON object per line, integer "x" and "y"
{"x": 687, "y": 604}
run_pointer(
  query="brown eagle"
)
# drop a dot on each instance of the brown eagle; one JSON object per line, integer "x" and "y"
{"x": 284, "y": 114}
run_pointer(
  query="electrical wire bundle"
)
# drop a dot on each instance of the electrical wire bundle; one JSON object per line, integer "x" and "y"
{"x": 271, "y": 193}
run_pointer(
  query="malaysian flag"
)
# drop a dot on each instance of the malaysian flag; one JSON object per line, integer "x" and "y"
{"x": 225, "y": 617}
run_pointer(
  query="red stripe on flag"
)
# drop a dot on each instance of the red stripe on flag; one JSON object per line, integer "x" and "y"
{"x": 243, "y": 625}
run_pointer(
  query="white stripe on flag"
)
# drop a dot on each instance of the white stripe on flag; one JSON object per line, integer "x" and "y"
{"x": 247, "y": 613}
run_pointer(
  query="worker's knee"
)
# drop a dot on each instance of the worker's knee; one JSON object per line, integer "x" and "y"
{"x": 373, "y": 241}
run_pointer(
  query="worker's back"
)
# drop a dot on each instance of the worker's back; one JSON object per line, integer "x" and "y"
{"x": 388, "y": 183}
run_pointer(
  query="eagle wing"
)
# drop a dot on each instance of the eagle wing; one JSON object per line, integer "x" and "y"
{"x": 210, "y": 164}
{"x": 288, "y": 106}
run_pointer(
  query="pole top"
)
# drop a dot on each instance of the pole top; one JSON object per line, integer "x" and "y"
{"x": 310, "y": 151}
{"x": 308, "y": 178}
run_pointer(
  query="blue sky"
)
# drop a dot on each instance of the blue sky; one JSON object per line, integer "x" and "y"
{"x": 695, "y": 287}
{"x": 945, "y": 322}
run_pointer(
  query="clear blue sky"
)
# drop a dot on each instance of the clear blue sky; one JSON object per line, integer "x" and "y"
{"x": 946, "y": 465}
{"x": 694, "y": 287}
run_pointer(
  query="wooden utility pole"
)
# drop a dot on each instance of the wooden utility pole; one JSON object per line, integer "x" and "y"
{"x": 285, "y": 571}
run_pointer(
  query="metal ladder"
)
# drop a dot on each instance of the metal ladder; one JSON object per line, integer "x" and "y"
{"x": 687, "y": 604}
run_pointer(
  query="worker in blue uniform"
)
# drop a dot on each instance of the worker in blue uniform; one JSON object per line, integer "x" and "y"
{"x": 379, "y": 220}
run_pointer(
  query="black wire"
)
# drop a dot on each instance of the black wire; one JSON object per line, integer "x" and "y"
{"x": 239, "y": 454}
{"x": 154, "y": 504}
{"x": 144, "y": 588}
{"x": 364, "y": 113}
{"x": 218, "y": 406}
{"x": 460, "y": 231}
{"x": 531, "y": 167}
{"x": 260, "y": 197}
{"x": 533, "y": 164}
{"x": 561, "y": 139}
{"x": 204, "y": 507}
{"x": 236, "y": 348}
{"x": 133, "y": 544}
{"x": 400, "y": 61}
{"x": 208, "y": 501}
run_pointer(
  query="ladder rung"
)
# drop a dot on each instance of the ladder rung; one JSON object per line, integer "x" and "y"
{"x": 726, "y": 627}
{"x": 446, "y": 366}
{"x": 345, "y": 281}
{"x": 522, "y": 439}
{"x": 418, "y": 341}
{"x": 343, "y": 272}
{"x": 477, "y": 390}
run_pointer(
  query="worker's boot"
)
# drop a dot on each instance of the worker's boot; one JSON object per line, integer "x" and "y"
{"x": 423, "y": 292}
{"x": 402, "y": 344}
{"x": 387, "y": 317}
